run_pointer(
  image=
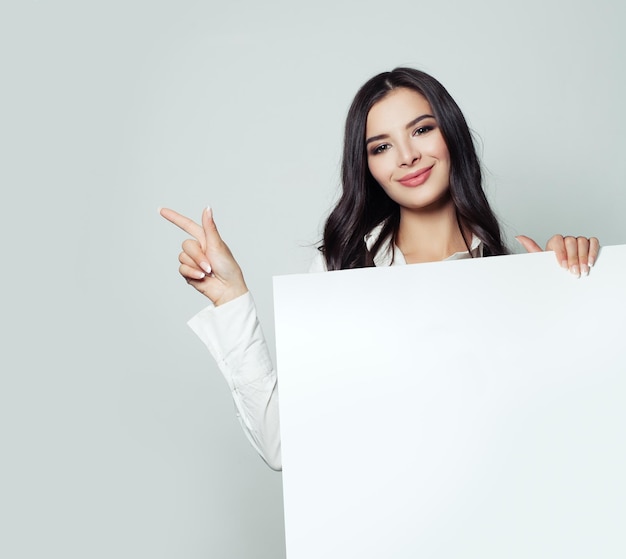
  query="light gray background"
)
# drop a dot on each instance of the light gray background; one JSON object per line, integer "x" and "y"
{"x": 118, "y": 435}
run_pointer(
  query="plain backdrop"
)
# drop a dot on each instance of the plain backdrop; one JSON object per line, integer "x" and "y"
{"x": 118, "y": 436}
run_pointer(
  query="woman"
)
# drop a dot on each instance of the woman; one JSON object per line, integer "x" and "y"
{"x": 412, "y": 192}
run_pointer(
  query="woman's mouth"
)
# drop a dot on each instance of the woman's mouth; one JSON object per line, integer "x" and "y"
{"x": 417, "y": 178}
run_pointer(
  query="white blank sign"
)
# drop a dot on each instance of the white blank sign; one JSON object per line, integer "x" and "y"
{"x": 470, "y": 408}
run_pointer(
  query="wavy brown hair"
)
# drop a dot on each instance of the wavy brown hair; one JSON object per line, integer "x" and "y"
{"x": 364, "y": 204}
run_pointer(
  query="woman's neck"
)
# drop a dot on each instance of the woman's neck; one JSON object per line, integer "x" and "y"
{"x": 430, "y": 235}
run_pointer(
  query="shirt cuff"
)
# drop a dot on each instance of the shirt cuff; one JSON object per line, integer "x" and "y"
{"x": 233, "y": 335}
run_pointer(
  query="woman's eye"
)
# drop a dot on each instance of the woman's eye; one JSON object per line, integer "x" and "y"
{"x": 380, "y": 148}
{"x": 422, "y": 130}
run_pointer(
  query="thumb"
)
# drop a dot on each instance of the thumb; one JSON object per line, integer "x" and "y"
{"x": 528, "y": 244}
{"x": 211, "y": 236}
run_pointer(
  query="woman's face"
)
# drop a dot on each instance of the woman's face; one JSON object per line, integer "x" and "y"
{"x": 406, "y": 152}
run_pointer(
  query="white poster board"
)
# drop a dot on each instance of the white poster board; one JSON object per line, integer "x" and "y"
{"x": 471, "y": 408}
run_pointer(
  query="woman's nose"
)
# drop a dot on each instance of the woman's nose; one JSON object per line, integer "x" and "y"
{"x": 408, "y": 154}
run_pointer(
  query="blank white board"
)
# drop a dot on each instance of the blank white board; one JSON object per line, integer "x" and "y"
{"x": 472, "y": 408}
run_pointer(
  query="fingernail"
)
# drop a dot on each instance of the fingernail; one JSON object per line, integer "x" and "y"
{"x": 159, "y": 209}
{"x": 591, "y": 261}
{"x": 575, "y": 271}
{"x": 200, "y": 275}
{"x": 206, "y": 267}
{"x": 584, "y": 270}
{"x": 564, "y": 264}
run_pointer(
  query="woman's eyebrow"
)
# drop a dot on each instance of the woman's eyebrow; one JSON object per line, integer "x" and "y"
{"x": 418, "y": 119}
{"x": 412, "y": 123}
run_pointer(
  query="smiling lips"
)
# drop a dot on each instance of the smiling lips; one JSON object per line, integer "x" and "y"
{"x": 417, "y": 178}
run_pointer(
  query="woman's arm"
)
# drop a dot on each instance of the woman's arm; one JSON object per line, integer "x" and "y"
{"x": 231, "y": 331}
{"x": 233, "y": 335}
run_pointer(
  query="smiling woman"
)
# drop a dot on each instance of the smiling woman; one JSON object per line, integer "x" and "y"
{"x": 405, "y": 156}
{"x": 402, "y": 124}
{"x": 411, "y": 162}
{"x": 412, "y": 192}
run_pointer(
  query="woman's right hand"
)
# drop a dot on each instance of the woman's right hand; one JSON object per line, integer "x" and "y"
{"x": 206, "y": 262}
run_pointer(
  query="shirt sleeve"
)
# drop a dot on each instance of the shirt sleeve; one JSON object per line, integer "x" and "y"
{"x": 233, "y": 335}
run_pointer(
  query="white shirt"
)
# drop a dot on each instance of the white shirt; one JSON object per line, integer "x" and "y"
{"x": 233, "y": 335}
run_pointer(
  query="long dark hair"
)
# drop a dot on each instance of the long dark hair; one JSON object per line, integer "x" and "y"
{"x": 364, "y": 204}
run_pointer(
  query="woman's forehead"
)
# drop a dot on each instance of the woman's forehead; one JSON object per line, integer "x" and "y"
{"x": 397, "y": 108}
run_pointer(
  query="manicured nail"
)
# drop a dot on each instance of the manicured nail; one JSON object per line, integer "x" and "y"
{"x": 206, "y": 267}
{"x": 564, "y": 264}
{"x": 200, "y": 275}
{"x": 575, "y": 271}
{"x": 591, "y": 261}
{"x": 584, "y": 270}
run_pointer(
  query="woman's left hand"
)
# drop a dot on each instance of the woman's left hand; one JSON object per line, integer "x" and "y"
{"x": 576, "y": 254}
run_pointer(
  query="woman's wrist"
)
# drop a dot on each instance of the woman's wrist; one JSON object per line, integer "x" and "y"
{"x": 231, "y": 294}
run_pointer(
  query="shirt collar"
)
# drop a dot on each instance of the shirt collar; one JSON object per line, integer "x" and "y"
{"x": 388, "y": 255}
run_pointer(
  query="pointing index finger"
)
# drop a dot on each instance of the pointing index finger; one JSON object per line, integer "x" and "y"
{"x": 187, "y": 225}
